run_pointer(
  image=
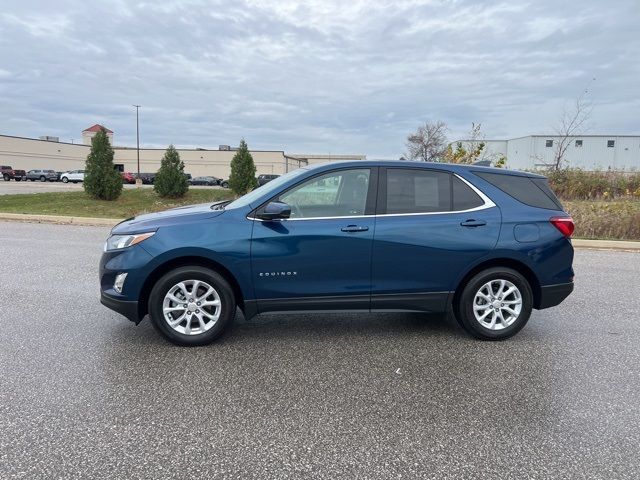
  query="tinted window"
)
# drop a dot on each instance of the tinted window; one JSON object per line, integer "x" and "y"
{"x": 336, "y": 194}
{"x": 464, "y": 198}
{"x": 417, "y": 191}
{"x": 531, "y": 191}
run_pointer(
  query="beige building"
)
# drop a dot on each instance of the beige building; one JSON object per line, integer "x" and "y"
{"x": 89, "y": 133}
{"x": 30, "y": 153}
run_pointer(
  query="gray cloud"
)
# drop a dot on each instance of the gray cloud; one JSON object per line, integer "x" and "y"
{"x": 317, "y": 76}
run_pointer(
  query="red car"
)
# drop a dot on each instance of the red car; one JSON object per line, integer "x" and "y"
{"x": 128, "y": 177}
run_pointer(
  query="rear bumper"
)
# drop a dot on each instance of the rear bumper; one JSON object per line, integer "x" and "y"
{"x": 124, "y": 307}
{"x": 552, "y": 295}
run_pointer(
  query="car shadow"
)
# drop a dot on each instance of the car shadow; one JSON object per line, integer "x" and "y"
{"x": 340, "y": 325}
{"x": 306, "y": 326}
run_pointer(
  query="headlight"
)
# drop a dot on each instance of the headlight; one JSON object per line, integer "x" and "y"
{"x": 117, "y": 242}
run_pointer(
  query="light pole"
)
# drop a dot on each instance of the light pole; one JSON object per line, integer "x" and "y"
{"x": 138, "y": 138}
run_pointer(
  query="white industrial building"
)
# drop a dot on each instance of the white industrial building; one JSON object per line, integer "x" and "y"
{"x": 589, "y": 152}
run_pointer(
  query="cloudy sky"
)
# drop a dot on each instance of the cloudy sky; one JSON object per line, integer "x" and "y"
{"x": 319, "y": 76}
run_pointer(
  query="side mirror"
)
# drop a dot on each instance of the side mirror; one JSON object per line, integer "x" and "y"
{"x": 274, "y": 210}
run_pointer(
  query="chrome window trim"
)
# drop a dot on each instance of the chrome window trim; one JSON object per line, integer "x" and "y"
{"x": 488, "y": 203}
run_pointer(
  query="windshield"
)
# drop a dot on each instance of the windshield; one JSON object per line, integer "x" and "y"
{"x": 265, "y": 189}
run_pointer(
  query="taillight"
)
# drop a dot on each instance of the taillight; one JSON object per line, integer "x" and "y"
{"x": 564, "y": 224}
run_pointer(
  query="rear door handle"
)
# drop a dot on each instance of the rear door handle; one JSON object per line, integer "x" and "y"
{"x": 354, "y": 228}
{"x": 473, "y": 223}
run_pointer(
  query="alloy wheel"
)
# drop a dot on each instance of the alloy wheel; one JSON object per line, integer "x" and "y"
{"x": 497, "y": 304}
{"x": 191, "y": 307}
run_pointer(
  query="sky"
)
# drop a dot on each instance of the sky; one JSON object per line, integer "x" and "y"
{"x": 321, "y": 76}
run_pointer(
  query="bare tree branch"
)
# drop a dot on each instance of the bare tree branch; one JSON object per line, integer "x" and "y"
{"x": 428, "y": 143}
{"x": 572, "y": 123}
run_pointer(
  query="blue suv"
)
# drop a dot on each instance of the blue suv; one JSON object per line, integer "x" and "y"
{"x": 487, "y": 244}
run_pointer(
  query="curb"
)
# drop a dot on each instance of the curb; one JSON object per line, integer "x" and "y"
{"x": 109, "y": 222}
{"x": 606, "y": 244}
{"x": 60, "y": 219}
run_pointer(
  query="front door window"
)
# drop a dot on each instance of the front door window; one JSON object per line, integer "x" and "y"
{"x": 336, "y": 194}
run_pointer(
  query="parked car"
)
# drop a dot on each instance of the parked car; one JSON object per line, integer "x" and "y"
{"x": 74, "y": 176}
{"x": 262, "y": 179}
{"x": 128, "y": 177}
{"x": 9, "y": 173}
{"x": 487, "y": 244}
{"x": 148, "y": 178}
{"x": 42, "y": 175}
{"x": 211, "y": 181}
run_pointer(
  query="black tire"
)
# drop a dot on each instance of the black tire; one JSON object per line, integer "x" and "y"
{"x": 18, "y": 179}
{"x": 6, "y": 178}
{"x": 43, "y": 178}
{"x": 167, "y": 281}
{"x": 32, "y": 179}
{"x": 65, "y": 180}
{"x": 464, "y": 301}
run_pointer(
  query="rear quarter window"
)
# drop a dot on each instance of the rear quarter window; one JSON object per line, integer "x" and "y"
{"x": 464, "y": 198}
{"x": 530, "y": 191}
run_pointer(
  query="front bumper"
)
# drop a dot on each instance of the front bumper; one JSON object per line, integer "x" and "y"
{"x": 128, "y": 308}
{"x": 552, "y": 295}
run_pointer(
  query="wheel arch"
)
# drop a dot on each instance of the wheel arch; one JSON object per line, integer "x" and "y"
{"x": 512, "y": 263}
{"x": 191, "y": 260}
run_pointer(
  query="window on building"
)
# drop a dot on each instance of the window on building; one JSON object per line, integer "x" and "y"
{"x": 611, "y": 143}
{"x": 417, "y": 191}
{"x": 578, "y": 143}
{"x": 549, "y": 143}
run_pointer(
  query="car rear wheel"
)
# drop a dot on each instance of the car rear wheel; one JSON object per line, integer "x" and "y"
{"x": 18, "y": 179}
{"x": 43, "y": 178}
{"x": 6, "y": 178}
{"x": 191, "y": 306}
{"x": 495, "y": 304}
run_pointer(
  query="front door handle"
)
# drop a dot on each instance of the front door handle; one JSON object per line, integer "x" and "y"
{"x": 354, "y": 228}
{"x": 473, "y": 223}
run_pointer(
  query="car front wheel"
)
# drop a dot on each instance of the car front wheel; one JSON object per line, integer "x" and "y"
{"x": 495, "y": 304}
{"x": 43, "y": 179}
{"x": 191, "y": 306}
{"x": 65, "y": 180}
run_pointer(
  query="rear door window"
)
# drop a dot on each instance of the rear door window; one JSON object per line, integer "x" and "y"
{"x": 530, "y": 191}
{"x": 417, "y": 191}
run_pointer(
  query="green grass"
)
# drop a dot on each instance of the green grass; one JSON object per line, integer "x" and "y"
{"x": 79, "y": 204}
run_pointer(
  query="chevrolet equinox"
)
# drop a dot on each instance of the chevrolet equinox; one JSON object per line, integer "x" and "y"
{"x": 487, "y": 244}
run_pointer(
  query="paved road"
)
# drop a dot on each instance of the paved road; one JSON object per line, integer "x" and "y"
{"x": 11, "y": 187}
{"x": 86, "y": 394}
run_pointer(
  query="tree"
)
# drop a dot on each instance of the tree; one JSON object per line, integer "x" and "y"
{"x": 243, "y": 171}
{"x": 170, "y": 180}
{"x": 469, "y": 151}
{"x": 573, "y": 122}
{"x": 428, "y": 143}
{"x": 101, "y": 179}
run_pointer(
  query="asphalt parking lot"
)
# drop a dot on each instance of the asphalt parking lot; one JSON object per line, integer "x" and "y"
{"x": 86, "y": 394}
{"x": 12, "y": 187}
